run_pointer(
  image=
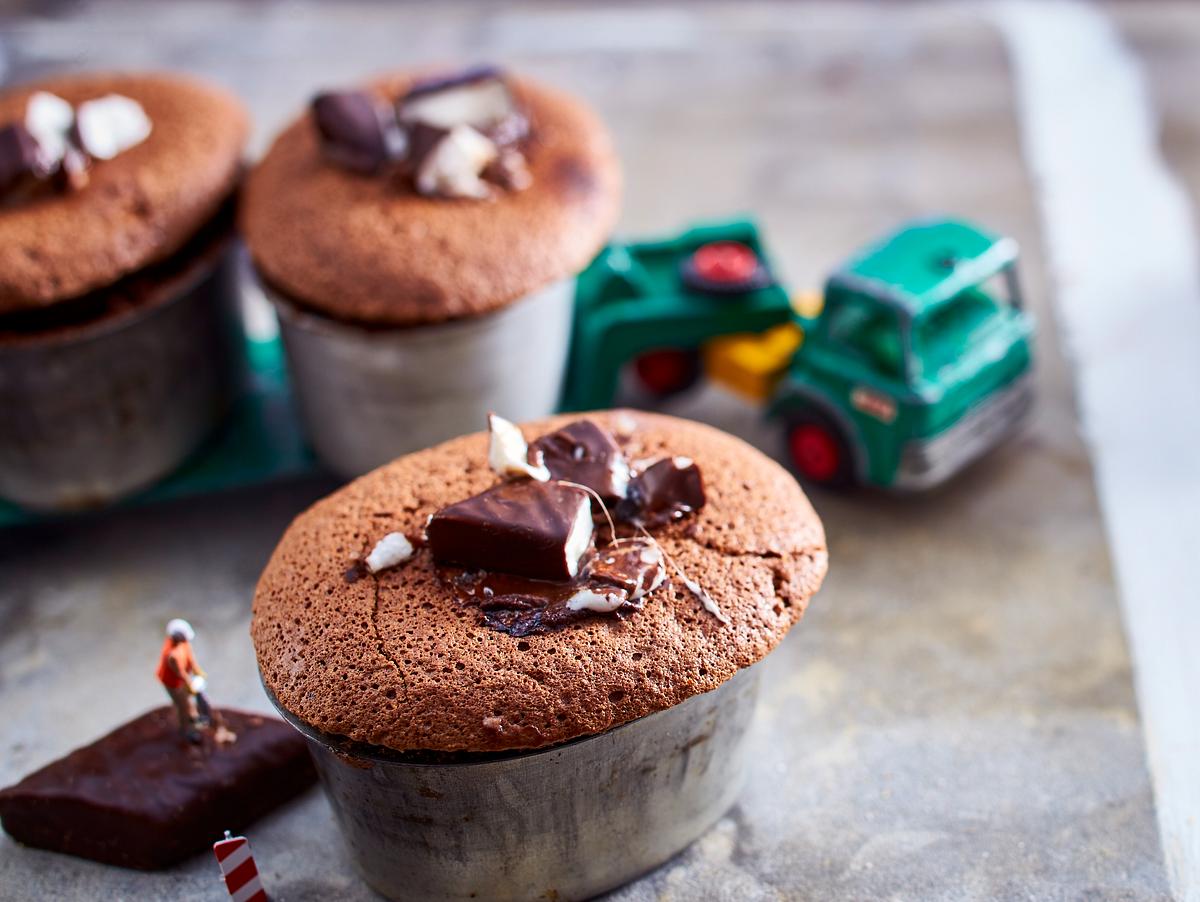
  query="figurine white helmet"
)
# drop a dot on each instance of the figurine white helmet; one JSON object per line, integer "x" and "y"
{"x": 181, "y": 629}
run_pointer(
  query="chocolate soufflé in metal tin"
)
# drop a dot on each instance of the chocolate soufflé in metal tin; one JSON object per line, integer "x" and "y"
{"x": 419, "y": 237}
{"x": 638, "y": 566}
{"x": 120, "y": 345}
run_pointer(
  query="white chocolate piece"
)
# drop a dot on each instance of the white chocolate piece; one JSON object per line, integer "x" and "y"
{"x": 110, "y": 125}
{"x": 579, "y": 539}
{"x": 624, "y": 425}
{"x": 49, "y": 119}
{"x": 601, "y": 602}
{"x": 452, "y": 168}
{"x": 479, "y": 104}
{"x": 390, "y": 551}
{"x": 705, "y": 599}
{"x": 652, "y": 555}
{"x": 620, "y": 476}
{"x": 508, "y": 452}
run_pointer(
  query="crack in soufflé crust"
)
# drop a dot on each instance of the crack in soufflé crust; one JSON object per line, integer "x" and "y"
{"x": 395, "y": 660}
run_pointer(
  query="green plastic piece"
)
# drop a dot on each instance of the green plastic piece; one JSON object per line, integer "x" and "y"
{"x": 917, "y": 363}
{"x": 925, "y": 265}
{"x": 631, "y": 300}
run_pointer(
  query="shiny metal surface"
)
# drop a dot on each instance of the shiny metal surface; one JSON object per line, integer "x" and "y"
{"x": 924, "y": 463}
{"x": 367, "y": 396}
{"x": 91, "y": 416}
{"x": 565, "y": 823}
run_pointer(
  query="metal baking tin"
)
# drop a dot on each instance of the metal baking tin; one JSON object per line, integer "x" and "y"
{"x": 567, "y": 822}
{"x": 369, "y": 395}
{"x": 89, "y": 417}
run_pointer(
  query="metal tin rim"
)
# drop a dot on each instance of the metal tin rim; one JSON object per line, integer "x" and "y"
{"x": 196, "y": 272}
{"x": 384, "y": 755}
{"x": 417, "y": 333}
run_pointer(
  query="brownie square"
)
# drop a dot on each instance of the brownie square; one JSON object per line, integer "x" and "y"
{"x": 143, "y": 797}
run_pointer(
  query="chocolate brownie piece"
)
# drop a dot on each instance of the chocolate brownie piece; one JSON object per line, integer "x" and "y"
{"x": 142, "y": 797}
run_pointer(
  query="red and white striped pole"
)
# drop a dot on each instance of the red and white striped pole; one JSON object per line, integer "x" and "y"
{"x": 238, "y": 869}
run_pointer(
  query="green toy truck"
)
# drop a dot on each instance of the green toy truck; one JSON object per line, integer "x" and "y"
{"x": 915, "y": 361}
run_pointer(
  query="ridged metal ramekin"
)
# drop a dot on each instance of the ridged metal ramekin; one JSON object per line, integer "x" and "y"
{"x": 567, "y": 822}
{"x": 96, "y": 413}
{"x": 369, "y": 395}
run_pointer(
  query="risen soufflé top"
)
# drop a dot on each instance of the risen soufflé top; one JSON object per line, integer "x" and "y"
{"x": 419, "y": 199}
{"x": 472, "y": 598}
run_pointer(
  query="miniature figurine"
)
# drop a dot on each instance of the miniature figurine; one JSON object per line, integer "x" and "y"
{"x": 239, "y": 870}
{"x": 914, "y": 362}
{"x": 185, "y": 682}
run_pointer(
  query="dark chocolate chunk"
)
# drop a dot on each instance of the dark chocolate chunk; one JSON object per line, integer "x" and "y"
{"x": 509, "y": 171}
{"x": 509, "y": 131}
{"x": 142, "y": 797}
{"x": 422, "y": 139}
{"x": 582, "y": 452}
{"x": 356, "y": 130}
{"x": 467, "y": 76}
{"x": 73, "y": 172}
{"x": 355, "y": 572}
{"x": 535, "y": 529}
{"x": 20, "y": 157}
{"x": 634, "y": 566}
{"x": 667, "y": 490}
{"x": 614, "y": 580}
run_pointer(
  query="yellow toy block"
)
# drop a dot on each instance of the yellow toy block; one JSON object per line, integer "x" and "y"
{"x": 751, "y": 363}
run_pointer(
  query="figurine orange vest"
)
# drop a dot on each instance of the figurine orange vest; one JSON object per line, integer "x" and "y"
{"x": 181, "y": 653}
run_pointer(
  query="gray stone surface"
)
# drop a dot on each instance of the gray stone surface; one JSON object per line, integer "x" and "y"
{"x": 953, "y": 720}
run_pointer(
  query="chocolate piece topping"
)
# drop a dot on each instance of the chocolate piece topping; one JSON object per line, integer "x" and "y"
{"x": 508, "y": 454}
{"x": 56, "y": 143}
{"x": 536, "y": 529}
{"x": 109, "y": 125}
{"x": 477, "y": 97}
{"x": 358, "y": 131}
{"x": 457, "y": 136}
{"x": 614, "y": 579}
{"x": 509, "y": 171}
{"x": 438, "y": 83}
{"x": 665, "y": 491}
{"x": 19, "y": 156}
{"x": 422, "y": 139}
{"x": 390, "y": 551}
{"x": 582, "y": 452}
{"x": 453, "y": 166}
{"x": 523, "y": 546}
{"x": 50, "y": 119}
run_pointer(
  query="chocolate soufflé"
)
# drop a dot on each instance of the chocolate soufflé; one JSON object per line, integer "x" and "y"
{"x": 137, "y": 210}
{"x": 397, "y": 658}
{"x": 369, "y": 249}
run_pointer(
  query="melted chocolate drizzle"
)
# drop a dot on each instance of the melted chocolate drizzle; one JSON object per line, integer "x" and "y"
{"x": 622, "y": 575}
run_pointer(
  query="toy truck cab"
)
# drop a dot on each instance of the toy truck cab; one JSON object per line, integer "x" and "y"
{"x": 917, "y": 363}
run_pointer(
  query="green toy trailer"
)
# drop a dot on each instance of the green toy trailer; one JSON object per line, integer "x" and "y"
{"x": 914, "y": 362}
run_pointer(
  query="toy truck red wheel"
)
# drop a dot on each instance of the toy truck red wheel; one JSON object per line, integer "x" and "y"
{"x": 668, "y": 371}
{"x": 818, "y": 451}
